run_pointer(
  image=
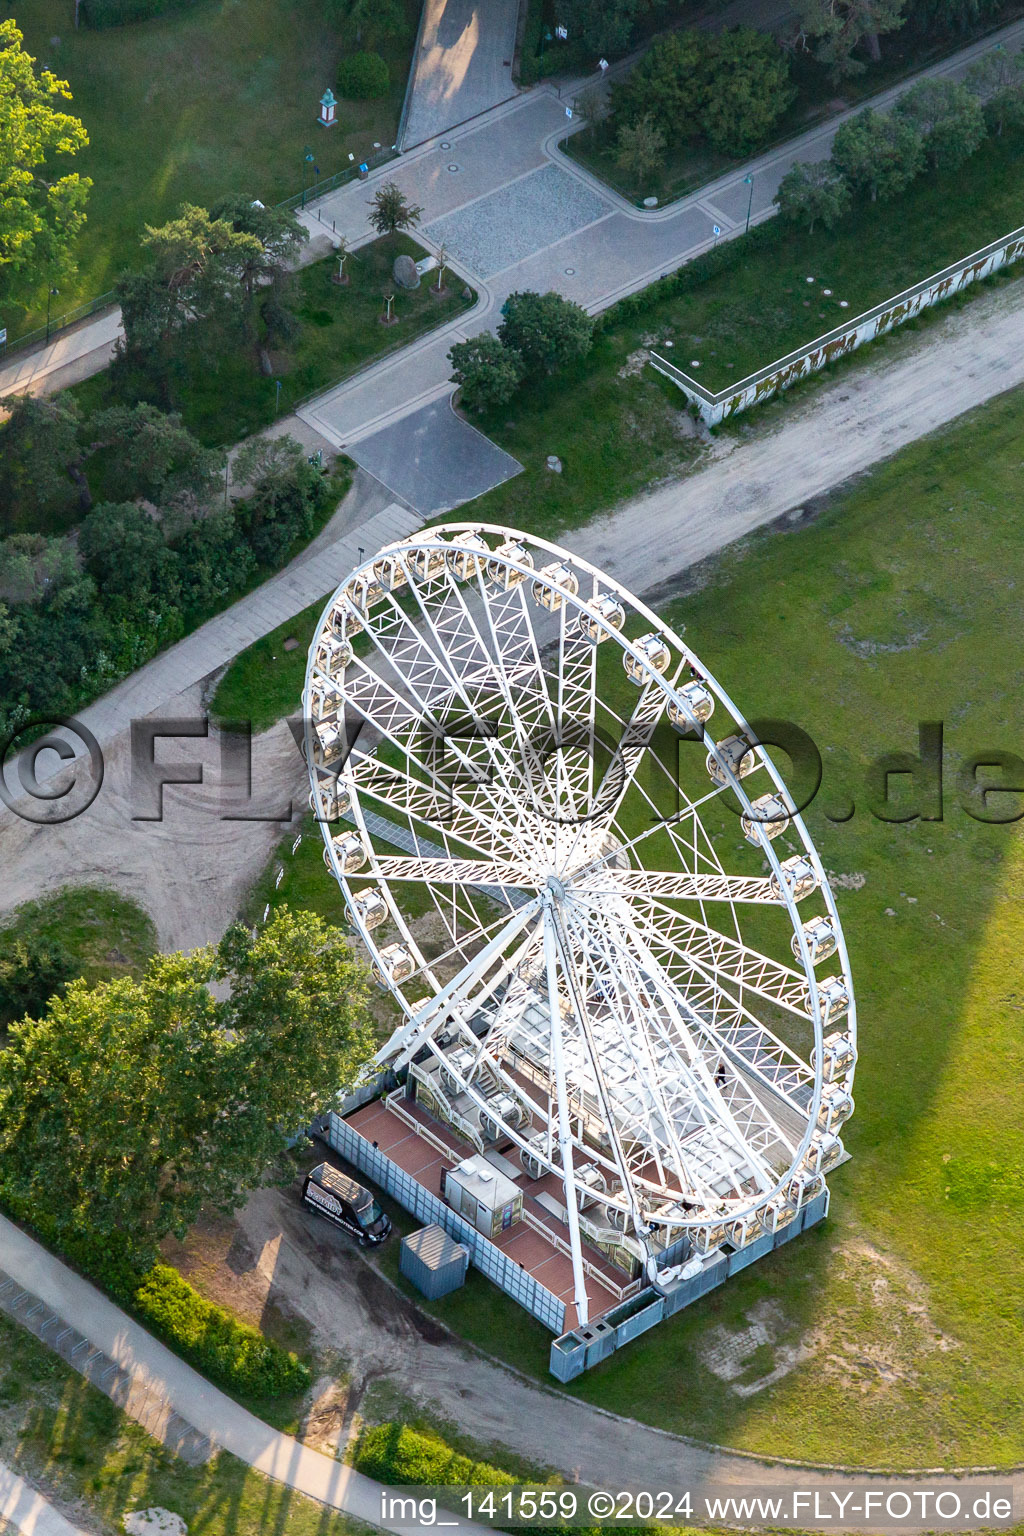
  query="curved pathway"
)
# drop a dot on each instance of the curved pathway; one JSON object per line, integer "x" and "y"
{"x": 514, "y": 212}
{"x": 159, "y": 1372}
{"x": 524, "y": 1415}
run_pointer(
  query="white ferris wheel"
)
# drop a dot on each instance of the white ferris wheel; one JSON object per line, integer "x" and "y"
{"x": 614, "y": 949}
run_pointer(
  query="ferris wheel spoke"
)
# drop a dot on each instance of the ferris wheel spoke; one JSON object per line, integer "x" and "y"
{"x": 720, "y": 1016}
{"x": 440, "y": 871}
{"x": 470, "y": 669}
{"x": 497, "y": 797}
{"x": 752, "y": 1118}
{"x": 682, "y": 886}
{"x": 433, "y": 805}
{"x": 727, "y": 958}
{"x": 650, "y": 1009}
{"x": 581, "y": 898}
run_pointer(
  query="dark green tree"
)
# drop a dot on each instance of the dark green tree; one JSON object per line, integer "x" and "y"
{"x": 813, "y": 193}
{"x": 599, "y": 27}
{"x": 30, "y": 977}
{"x": 280, "y": 235}
{"x": 283, "y": 492}
{"x": 363, "y": 77}
{"x": 997, "y": 79}
{"x": 127, "y": 1107}
{"x": 668, "y": 86}
{"x": 33, "y": 566}
{"x": 836, "y": 30}
{"x": 41, "y": 475}
{"x": 948, "y": 118}
{"x": 150, "y": 455}
{"x": 748, "y": 90}
{"x": 391, "y": 211}
{"x": 125, "y": 553}
{"x": 878, "y": 153}
{"x": 370, "y": 22}
{"x": 546, "y": 330}
{"x": 486, "y": 372}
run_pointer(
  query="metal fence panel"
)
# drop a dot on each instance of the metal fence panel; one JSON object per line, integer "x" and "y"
{"x": 506, "y": 1274}
{"x": 639, "y": 1323}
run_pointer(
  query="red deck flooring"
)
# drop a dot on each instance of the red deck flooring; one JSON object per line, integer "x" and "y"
{"x": 548, "y": 1265}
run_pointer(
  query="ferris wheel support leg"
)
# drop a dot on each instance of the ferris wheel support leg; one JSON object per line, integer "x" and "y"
{"x": 564, "y": 1127}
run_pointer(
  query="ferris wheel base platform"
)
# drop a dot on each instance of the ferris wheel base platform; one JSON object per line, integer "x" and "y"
{"x": 402, "y": 1151}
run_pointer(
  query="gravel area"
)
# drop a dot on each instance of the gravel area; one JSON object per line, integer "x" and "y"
{"x": 513, "y": 222}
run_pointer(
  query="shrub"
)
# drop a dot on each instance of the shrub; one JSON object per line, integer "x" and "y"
{"x": 396, "y": 1454}
{"x": 748, "y": 90}
{"x": 668, "y": 85}
{"x": 878, "y": 153}
{"x": 813, "y": 194}
{"x": 226, "y": 1350}
{"x": 30, "y": 977}
{"x": 363, "y": 77}
{"x": 948, "y": 117}
{"x": 547, "y": 331}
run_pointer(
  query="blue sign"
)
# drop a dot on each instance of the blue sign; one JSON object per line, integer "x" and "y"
{"x": 364, "y": 167}
{"x": 717, "y": 228}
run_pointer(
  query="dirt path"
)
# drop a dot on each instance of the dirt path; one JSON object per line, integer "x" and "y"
{"x": 899, "y": 391}
{"x": 280, "y": 1254}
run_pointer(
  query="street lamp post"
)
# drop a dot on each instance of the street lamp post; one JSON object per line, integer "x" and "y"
{"x": 307, "y": 160}
{"x": 749, "y": 180}
{"x": 51, "y": 293}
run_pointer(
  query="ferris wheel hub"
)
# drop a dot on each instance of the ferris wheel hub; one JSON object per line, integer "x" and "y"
{"x": 653, "y": 1028}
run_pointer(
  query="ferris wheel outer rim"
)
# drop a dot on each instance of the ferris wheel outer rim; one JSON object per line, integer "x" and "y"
{"x": 441, "y": 538}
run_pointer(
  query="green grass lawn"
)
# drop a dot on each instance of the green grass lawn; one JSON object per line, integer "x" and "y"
{"x": 105, "y": 933}
{"x": 892, "y": 606}
{"x": 264, "y": 682}
{"x": 618, "y": 427}
{"x": 77, "y": 1446}
{"x": 341, "y": 331}
{"x": 764, "y": 307}
{"x": 219, "y": 97}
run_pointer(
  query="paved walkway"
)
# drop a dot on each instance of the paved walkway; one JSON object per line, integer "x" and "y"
{"x": 463, "y": 65}
{"x": 312, "y": 576}
{"x": 489, "y": 195}
{"x": 26, "y": 1509}
{"x": 514, "y": 212}
{"x": 160, "y": 1372}
{"x": 73, "y": 355}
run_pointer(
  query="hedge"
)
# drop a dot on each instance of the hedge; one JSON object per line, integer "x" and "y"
{"x": 229, "y": 1352}
{"x": 224, "y": 1349}
{"x": 396, "y": 1455}
{"x": 362, "y": 77}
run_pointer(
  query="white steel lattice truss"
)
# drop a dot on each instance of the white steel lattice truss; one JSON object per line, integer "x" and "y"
{"x": 503, "y": 738}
